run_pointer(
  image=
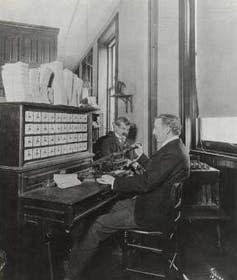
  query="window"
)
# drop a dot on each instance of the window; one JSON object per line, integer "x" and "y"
{"x": 208, "y": 74}
{"x": 87, "y": 71}
{"x": 219, "y": 134}
{"x": 216, "y": 75}
{"x": 108, "y": 73}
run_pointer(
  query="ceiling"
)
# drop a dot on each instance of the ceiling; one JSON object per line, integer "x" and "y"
{"x": 79, "y": 21}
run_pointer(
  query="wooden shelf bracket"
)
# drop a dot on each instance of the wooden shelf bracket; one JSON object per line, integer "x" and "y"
{"x": 127, "y": 99}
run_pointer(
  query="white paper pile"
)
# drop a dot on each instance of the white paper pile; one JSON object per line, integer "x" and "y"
{"x": 16, "y": 81}
{"x": 68, "y": 83}
{"x": 64, "y": 181}
{"x": 45, "y": 75}
{"x": 58, "y": 84}
{"x": 55, "y": 67}
{"x": 85, "y": 92}
{"x": 47, "y": 84}
{"x": 77, "y": 88}
{"x": 34, "y": 85}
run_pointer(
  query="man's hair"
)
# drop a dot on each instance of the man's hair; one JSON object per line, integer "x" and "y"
{"x": 120, "y": 120}
{"x": 171, "y": 121}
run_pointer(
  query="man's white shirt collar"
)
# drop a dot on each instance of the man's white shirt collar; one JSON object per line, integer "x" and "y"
{"x": 169, "y": 140}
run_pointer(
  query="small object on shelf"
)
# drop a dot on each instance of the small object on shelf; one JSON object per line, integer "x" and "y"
{"x": 120, "y": 87}
{"x": 121, "y": 94}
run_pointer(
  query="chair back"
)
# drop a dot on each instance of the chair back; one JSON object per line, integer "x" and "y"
{"x": 161, "y": 244}
{"x": 3, "y": 261}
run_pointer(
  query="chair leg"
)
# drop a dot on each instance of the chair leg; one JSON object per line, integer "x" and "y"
{"x": 125, "y": 256}
{"x": 176, "y": 263}
{"x": 49, "y": 253}
{"x": 182, "y": 247}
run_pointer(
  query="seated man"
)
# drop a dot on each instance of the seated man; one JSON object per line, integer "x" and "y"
{"x": 151, "y": 205}
{"x": 114, "y": 141}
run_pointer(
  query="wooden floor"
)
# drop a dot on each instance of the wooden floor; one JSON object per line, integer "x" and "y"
{"x": 201, "y": 254}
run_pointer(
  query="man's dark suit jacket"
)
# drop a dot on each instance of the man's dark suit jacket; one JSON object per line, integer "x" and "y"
{"x": 168, "y": 165}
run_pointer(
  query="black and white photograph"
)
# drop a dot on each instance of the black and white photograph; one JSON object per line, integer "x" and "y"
{"x": 118, "y": 139}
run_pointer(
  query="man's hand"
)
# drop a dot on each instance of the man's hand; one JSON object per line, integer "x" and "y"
{"x": 132, "y": 163}
{"x": 138, "y": 149}
{"x": 106, "y": 180}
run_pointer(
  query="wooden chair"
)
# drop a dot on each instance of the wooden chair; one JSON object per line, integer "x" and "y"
{"x": 3, "y": 261}
{"x": 143, "y": 247}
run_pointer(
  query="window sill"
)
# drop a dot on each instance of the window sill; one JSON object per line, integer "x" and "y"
{"x": 220, "y": 159}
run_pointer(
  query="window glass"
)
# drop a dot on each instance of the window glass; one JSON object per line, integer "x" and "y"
{"x": 219, "y": 134}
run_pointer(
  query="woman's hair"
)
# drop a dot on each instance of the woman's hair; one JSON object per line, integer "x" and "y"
{"x": 171, "y": 121}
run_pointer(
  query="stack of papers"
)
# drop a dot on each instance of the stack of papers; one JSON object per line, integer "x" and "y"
{"x": 77, "y": 89}
{"x": 55, "y": 67}
{"x": 64, "y": 181}
{"x": 16, "y": 81}
{"x": 85, "y": 92}
{"x": 73, "y": 87}
{"x": 45, "y": 74}
{"x": 58, "y": 83}
{"x": 34, "y": 85}
{"x": 68, "y": 82}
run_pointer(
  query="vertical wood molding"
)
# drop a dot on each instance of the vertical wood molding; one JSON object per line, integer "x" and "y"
{"x": 181, "y": 65}
{"x": 187, "y": 75}
{"x": 184, "y": 74}
{"x": 95, "y": 71}
{"x": 116, "y": 58}
{"x": 152, "y": 69}
{"x": 193, "y": 91}
{"x": 107, "y": 94}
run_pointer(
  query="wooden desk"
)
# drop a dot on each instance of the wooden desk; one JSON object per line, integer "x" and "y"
{"x": 64, "y": 206}
{"x": 202, "y": 198}
{"x": 50, "y": 209}
{"x": 38, "y": 141}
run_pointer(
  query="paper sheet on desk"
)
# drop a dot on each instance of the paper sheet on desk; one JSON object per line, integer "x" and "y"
{"x": 64, "y": 181}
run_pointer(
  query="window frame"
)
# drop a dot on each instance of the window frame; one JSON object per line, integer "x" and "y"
{"x": 87, "y": 63}
{"x": 110, "y": 34}
{"x": 192, "y": 125}
{"x": 111, "y": 80}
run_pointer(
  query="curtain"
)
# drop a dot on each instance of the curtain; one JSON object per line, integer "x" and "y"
{"x": 216, "y": 58}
